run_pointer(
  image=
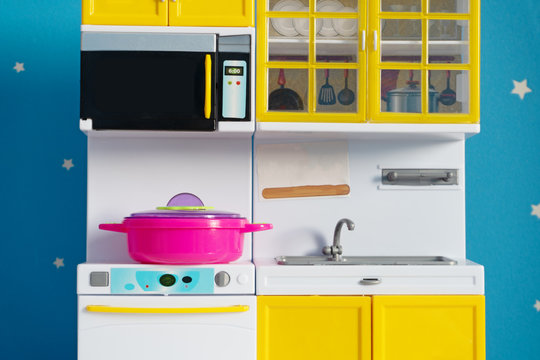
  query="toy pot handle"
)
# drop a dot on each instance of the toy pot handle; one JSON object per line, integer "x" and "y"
{"x": 256, "y": 227}
{"x": 113, "y": 227}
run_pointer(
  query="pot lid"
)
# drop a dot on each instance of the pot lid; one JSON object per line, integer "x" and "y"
{"x": 186, "y": 206}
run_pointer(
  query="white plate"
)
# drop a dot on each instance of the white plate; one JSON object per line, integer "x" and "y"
{"x": 285, "y": 26}
{"x": 346, "y": 27}
{"x": 328, "y": 6}
{"x": 302, "y": 24}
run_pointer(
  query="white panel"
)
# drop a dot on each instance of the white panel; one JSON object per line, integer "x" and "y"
{"x": 108, "y": 336}
{"x": 127, "y": 175}
{"x": 464, "y": 278}
{"x": 398, "y": 222}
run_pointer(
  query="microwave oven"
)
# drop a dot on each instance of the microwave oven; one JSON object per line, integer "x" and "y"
{"x": 165, "y": 80}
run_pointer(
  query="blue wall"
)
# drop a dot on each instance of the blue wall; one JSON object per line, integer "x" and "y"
{"x": 43, "y": 203}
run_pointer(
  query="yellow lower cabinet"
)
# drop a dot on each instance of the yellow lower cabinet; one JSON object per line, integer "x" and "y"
{"x": 428, "y": 328}
{"x": 314, "y": 327}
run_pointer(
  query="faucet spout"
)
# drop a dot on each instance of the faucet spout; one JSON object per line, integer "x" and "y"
{"x": 336, "y": 250}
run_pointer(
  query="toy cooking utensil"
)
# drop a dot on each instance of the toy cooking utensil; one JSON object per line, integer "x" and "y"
{"x": 346, "y": 96}
{"x": 185, "y": 232}
{"x": 447, "y": 96}
{"x": 283, "y": 98}
{"x": 326, "y": 94}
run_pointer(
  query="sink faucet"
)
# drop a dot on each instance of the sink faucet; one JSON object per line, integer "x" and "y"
{"x": 336, "y": 250}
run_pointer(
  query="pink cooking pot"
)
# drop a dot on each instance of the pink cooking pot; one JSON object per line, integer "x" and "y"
{"x": 185, "y": 232}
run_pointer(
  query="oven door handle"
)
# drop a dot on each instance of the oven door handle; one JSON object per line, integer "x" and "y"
{"x": 207, "y": 86}
{"x": 144, "y": 310}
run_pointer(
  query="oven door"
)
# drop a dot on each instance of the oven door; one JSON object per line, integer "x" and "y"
{"x": 149, "y": 81}
{"x": 167, "y": 327}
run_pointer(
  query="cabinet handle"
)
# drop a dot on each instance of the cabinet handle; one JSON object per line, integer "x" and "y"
{"x": 375, "y": 40}
{"x": 207, "y": 86}
{"x": 173, "y": 0}
{"x": 130, "y": 310}
{"x": 363, "y": 40}
{"x": 370, "y": 281}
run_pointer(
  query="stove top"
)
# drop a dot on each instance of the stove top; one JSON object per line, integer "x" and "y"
{"x": 145, "y": 279}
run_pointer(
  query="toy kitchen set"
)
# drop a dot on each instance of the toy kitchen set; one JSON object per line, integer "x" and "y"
{"x": 290, "y": 190}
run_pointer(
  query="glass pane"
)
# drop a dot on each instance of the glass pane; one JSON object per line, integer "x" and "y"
{"x": 448, "y": 41}
{"x": 449, "y": 6}
{"x": 288, "y": 89}
{"x": 401, "y": 5}
{"x": 288, "y": 5}
{"x": 401, "y": 40}
{"x": 337, "y": 40}
{"x": 451, "y": 89}
{"x": 336, "y": 90}
{"x": 336, "y": 6}
{"x": 401, "y": 91}
{"x": 283, "y": 47}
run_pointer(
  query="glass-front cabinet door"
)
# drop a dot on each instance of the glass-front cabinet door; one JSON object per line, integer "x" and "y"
{"x": 423, "y": 65}
{"x": 311, "y": 61}
{"x": 351, "y": 61}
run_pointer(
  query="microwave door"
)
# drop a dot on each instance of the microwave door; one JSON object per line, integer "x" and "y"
{"x": 149, "y": 81}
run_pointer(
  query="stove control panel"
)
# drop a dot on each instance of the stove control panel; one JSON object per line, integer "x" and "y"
{"x": 177, "y": 281}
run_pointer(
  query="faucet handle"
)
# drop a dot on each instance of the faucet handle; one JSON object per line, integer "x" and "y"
{"x": 332, "y": 250}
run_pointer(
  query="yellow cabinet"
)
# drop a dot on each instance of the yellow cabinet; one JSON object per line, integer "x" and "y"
{"x": 314, "y": 327}
{"x": 168, "y": 12}
{"x": 354, "y": 61}
{"x": 357, "y": 327}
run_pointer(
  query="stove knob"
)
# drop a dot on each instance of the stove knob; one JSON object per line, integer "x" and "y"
{"x": 242, "y": 279}
{"x": 222, "y": 279}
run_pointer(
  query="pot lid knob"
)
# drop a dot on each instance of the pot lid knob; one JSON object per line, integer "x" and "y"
{"x": 185, "y": 199}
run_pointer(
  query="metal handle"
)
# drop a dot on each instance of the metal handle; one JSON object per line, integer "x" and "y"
{"x": 130, "y": 310}
{"x": 419, "y": 176}
{"x": 375, "y": 40}
{"x": 370, "y": 281}
{"x": 207, "y": 86}
{"x": 363, "y": 40}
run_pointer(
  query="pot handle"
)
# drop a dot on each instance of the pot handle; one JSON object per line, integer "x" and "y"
{"x": 256, "y": 227}
{"x": 113, "y": 227}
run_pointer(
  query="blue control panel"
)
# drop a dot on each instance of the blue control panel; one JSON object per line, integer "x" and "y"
{"x": 177, "y": 281}
{"x": 234, "y": 89}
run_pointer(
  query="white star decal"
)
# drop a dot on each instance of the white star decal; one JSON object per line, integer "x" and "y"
{"x": 537, "y": 305}
{"x": 520, "y": 88}
{"x": 58, "y": 263}
{"x": 536, "y": 210}
{"x": 68, "y": 164}
{"x": 18, "y": 67}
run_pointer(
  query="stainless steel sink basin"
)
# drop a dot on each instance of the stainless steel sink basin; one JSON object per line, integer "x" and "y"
{"x": 365, "y": 260}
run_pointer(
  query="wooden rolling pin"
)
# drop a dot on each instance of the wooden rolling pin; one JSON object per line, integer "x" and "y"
{"x": 305, "y": 191}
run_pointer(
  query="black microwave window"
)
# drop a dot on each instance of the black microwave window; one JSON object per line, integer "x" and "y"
{"x": 234, "y": 70}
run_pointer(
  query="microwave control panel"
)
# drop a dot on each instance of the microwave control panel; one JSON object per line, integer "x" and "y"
{"x": 234, "y": 92}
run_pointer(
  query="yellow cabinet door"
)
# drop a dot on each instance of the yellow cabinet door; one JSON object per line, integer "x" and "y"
{"x": 124, "y": 12}
{"x": 428, "y": 328}
{"x": 311, "y": 61}
{"x": 211, "y": 13}
{"x": 424, "y": 61}
{"x": 313, "y": 327}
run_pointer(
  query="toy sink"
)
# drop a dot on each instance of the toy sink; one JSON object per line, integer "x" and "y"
{"x": 365, "y": 260}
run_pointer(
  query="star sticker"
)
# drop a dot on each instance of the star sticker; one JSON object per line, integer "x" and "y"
{"x": 58, "y": 263}
{"x": 520, "y": 88}
{"x": 18, "y": 67}
{"x": 68, "y": 164}
{"x": 537, "y": 305}
{"x": 536, "y": 210}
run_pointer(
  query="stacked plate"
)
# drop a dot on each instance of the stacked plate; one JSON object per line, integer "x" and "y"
{"x": 324, "y": 27}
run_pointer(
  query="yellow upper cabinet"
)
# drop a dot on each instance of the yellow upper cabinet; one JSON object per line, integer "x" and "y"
{"x": 388, "y": 61}
{"x": 124, "y": 12}
{"x": 168, "y": 12}
{"x": 428, "y": 328}
{"x": 313, "y": 327}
